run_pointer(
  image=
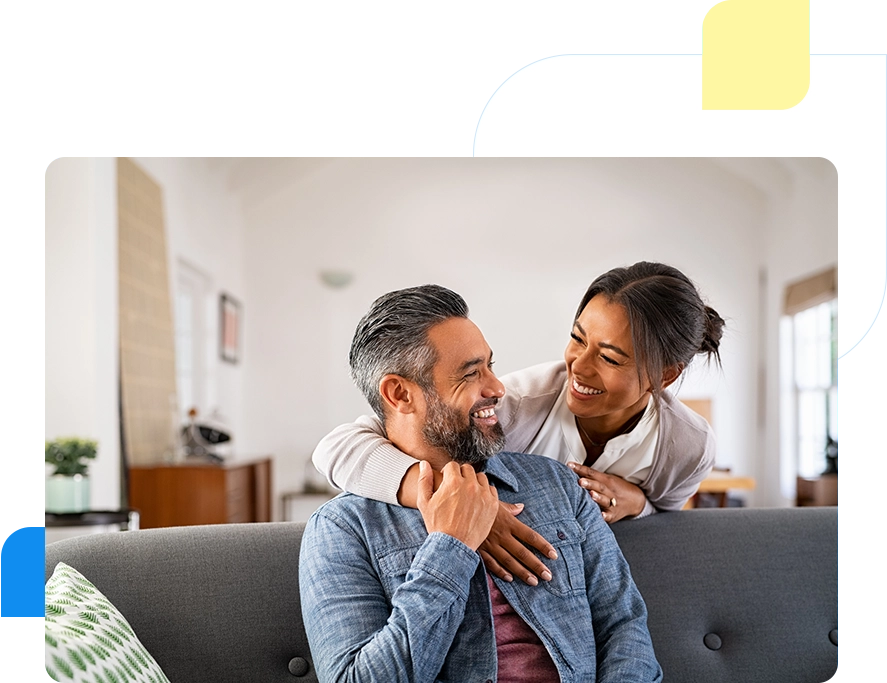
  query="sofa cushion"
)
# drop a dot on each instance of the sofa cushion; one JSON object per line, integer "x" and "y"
{"x": 87, "y": 638}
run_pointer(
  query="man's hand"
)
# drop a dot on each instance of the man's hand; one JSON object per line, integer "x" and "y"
{"x": 464, "y": 506}
{"x": 504, "y": 551}
{"x": 606, "y": 488}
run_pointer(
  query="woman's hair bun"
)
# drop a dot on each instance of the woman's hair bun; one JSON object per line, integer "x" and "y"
{"x": 711, "y": 337}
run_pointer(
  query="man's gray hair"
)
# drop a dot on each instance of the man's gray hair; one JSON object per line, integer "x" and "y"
{"x": 392, "y": 338}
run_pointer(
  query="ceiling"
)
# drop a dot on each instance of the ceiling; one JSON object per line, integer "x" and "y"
{"x": 255, "y": 178}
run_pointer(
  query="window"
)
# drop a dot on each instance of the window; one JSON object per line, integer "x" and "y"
{"x": 815, "y": 385}
{"x": 190, "y": 325}
{"x": 809, "y": 379}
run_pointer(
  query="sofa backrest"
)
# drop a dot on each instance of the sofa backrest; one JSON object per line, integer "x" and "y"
{"x": 734, "y": 595}
{"x": 739, "y": 595}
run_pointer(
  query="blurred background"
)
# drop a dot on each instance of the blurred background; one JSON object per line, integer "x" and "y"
{"x": 194, "y": 300}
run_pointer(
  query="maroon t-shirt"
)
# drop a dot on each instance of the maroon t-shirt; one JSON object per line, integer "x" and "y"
{"x": 522, "y": 656}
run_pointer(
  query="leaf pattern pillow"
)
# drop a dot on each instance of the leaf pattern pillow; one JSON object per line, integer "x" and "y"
{"x": 87, "y": 639}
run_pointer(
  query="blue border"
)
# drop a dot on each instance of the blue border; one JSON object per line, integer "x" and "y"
{"x": 560, "y": 51}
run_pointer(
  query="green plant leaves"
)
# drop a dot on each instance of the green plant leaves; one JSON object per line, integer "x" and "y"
{"x": 67, "y": 454}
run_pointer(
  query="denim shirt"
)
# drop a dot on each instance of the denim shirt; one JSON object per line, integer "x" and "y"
{"x": 383, "y": 600}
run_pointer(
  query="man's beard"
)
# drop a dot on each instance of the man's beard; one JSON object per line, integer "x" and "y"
{"x": 466, "y": 444}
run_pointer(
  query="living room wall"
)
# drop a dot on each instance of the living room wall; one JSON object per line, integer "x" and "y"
{"x": 81, "y": 314}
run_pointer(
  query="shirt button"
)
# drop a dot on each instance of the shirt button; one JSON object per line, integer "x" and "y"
{"x": 561, "y": 535}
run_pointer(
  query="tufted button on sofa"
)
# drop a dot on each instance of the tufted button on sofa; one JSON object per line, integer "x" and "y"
{"x": 299, "y": 666}
{"x": 734, "y": 595}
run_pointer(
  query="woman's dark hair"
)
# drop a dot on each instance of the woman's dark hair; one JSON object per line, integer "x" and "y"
{"x": 670, "y": 324}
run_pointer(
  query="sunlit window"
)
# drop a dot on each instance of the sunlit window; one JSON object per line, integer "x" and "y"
{"x": 190, "y": 305}
{"x": 810, "y": 387}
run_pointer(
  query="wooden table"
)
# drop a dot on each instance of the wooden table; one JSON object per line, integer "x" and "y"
{"x": 821, "y": 490}
{"x": 298, "y": 506}
{"x": 720, "y": 482}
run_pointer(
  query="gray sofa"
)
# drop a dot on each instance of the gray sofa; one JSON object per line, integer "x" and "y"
{"x": 734, "y": 595}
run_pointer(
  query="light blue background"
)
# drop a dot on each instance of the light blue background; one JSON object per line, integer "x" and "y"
{"x": 279, "y": 77}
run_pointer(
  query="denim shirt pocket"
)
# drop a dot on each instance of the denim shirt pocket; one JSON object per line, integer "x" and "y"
{"x": 394, "y": 565}
{"x": 567, "y": 571}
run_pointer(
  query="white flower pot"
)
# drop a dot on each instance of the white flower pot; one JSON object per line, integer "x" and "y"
{"x": 67, "y": 493}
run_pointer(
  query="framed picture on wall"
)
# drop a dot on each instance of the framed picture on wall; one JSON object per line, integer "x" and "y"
{"x": 229, "y": 328}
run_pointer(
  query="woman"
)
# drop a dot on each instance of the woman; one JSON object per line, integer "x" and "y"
{"x": 603, "y": 410}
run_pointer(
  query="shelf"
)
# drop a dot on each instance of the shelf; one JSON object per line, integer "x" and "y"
{"x": 126, "y": 517}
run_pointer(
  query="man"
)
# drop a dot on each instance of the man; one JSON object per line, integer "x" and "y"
{"x": 396, "y": 594}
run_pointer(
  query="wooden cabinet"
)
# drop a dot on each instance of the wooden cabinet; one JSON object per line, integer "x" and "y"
{"x": 201, "y": 493}
{"x": 822, "y": 490}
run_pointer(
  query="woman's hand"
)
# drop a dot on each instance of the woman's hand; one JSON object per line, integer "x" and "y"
{"x": 607, "y": 488}
{"x": 505, "y": 554}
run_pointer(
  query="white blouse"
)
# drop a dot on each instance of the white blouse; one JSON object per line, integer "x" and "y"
{"x": 629, "y": 456}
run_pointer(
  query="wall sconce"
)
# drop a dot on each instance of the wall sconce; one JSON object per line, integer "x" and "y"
{"x": 336, "y": 279}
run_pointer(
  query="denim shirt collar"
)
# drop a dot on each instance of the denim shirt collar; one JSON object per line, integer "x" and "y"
{"x": 497, "y": 470}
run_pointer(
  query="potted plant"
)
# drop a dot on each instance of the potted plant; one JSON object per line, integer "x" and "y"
{"x": 67, "y": 488}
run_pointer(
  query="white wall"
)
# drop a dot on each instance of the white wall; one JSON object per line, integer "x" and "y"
{"x": 81, "y": 315}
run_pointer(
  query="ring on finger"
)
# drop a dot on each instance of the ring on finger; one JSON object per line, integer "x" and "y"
{"x": 612, "y": 502}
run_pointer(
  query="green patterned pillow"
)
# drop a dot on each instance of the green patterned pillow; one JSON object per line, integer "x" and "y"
{"x": 87, "y": 639}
